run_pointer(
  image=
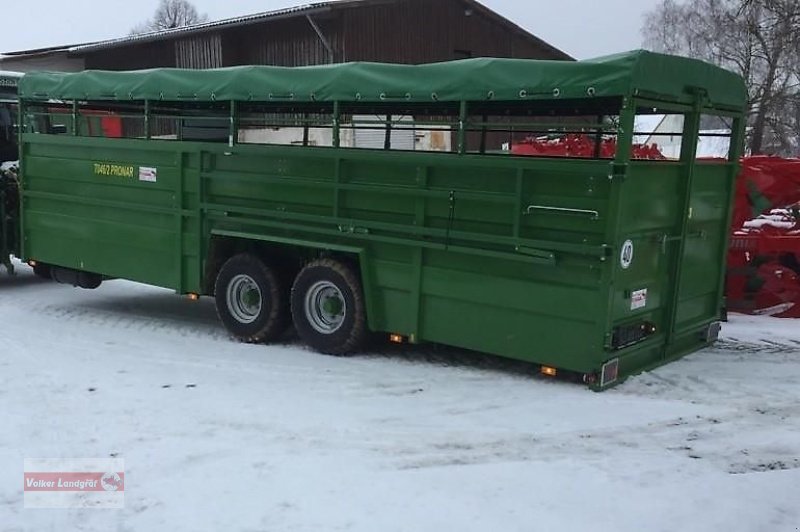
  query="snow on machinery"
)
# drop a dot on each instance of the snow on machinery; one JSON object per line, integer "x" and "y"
{"x": 764, "y": 255}
{"x": 581, "y": 146}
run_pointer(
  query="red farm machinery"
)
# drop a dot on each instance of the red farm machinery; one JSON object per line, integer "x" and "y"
{"x": 764, "y": 256}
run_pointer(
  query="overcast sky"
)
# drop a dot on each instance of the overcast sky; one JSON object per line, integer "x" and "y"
{"x": 582, "y": 28}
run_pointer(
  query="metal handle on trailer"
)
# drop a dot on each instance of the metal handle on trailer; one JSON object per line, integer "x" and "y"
{"x": 594, "y": 215}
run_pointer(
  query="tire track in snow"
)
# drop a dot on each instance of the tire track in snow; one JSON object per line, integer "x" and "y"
{"x": 697, "y": 439}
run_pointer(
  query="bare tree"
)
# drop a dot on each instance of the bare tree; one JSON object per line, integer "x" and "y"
{"x": 171, "y": 14}
{"x": 759, "y": 39}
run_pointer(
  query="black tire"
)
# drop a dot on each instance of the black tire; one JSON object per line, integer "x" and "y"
{"x": 341, "y": 330}
{"x": 259, "y": 320}
{"x": 42, "y": 271}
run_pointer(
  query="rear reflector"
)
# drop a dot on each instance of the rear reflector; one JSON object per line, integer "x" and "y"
{"x": 609, "y": 373}
{"x": 550, "y": 372}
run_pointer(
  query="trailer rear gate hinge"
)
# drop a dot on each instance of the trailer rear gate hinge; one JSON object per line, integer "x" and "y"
{"x": 618, "y": 171}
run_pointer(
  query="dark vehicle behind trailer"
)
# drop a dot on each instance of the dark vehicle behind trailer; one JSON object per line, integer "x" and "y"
{"x": 9, "y": 152}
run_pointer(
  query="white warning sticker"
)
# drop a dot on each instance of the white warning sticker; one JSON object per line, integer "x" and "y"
{"x": 639, "y": 299}
{"x": 148, "y": 174}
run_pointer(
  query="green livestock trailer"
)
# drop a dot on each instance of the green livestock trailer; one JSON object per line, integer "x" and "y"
{"x": 360, "y": 199}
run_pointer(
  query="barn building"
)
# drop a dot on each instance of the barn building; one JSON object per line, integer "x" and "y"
{"x": 398, "y": 31}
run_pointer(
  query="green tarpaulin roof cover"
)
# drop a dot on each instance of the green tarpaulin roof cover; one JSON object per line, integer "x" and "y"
{"x": 628, "y": 74}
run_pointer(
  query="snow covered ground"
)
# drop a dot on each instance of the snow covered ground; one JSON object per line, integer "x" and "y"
{"x": 222, "y": 436}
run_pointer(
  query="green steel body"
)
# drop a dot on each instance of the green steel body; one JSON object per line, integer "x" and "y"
{"x": 513, "y": 256}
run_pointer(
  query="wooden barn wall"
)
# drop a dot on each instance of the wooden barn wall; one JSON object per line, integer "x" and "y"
{"x": 288, "y": 42}
{"x": 133, "y": 57}
{"x": 400, "y": 31}
{"x": 204, "y": 51}
{"x": 424, "y": 31}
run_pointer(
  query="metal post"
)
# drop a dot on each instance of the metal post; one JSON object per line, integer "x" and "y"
{"x": 617, "y": 171}
{"x": 598, "y": 139}
{"x": 233, "y": 137}
{"x": 462, "y": 128}
{"x": 627, "y": 119}
{"x": 734, "y": 154}
{"x": 305, "y": 129}
{"x": 387, "y": 141}
{"x": 74, "y": 118}
{"x": 737, "y": 140}
{"x": 336, "y": 119}
{"x": 147, "y": 119}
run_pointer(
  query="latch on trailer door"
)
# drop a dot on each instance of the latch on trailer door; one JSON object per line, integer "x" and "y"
{"x": 666, "y": 238}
